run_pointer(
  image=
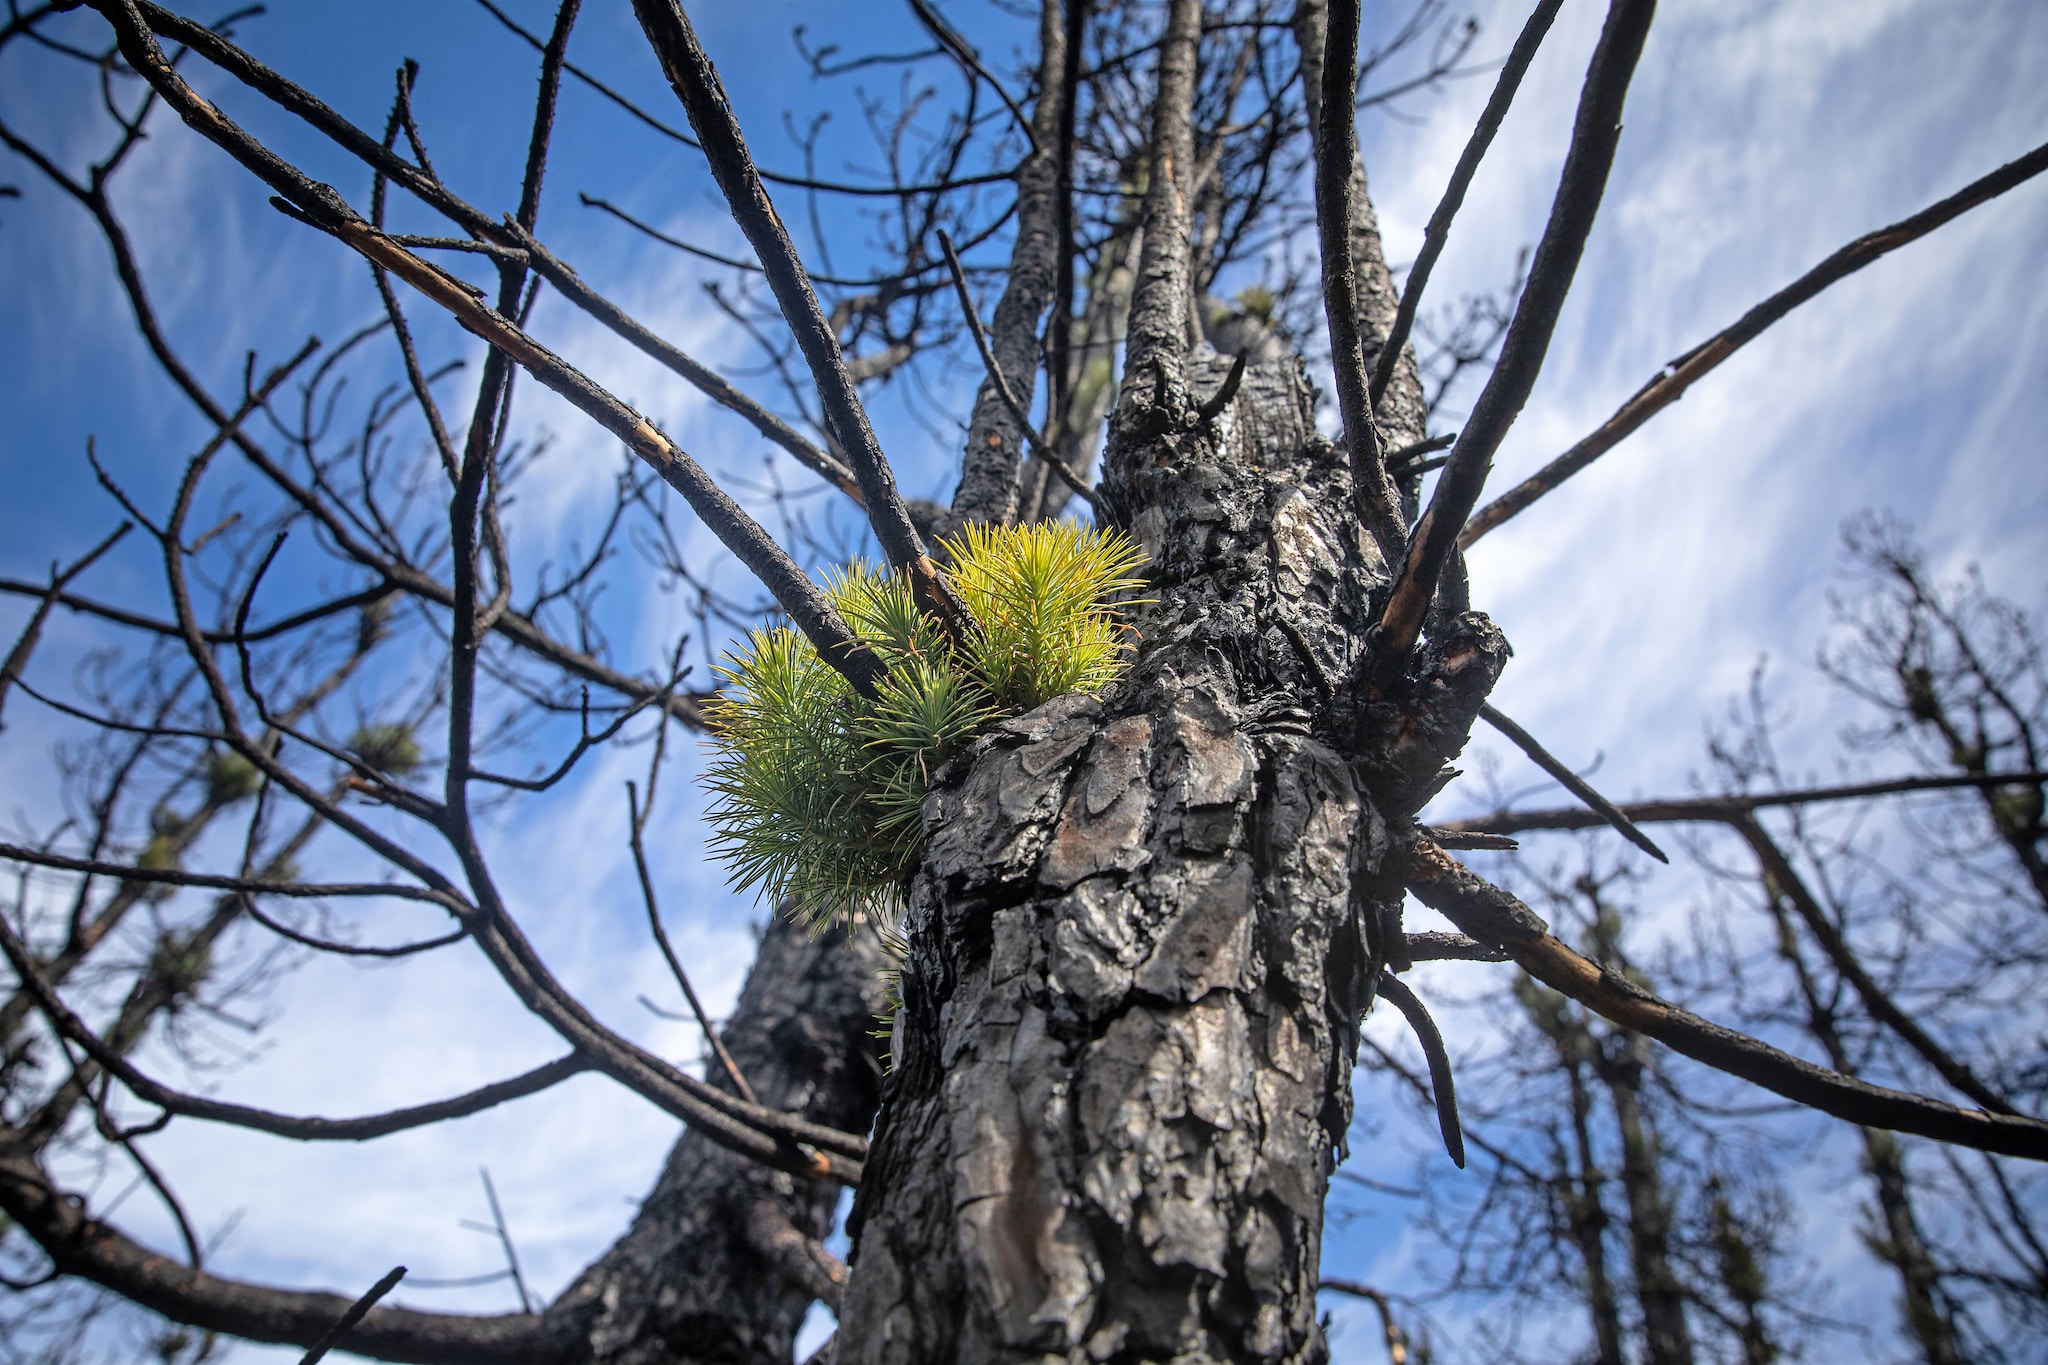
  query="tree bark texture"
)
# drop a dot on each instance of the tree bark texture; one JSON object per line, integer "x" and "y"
{"x": 1144, "y": 932}
{"x": 726, "y": 1255}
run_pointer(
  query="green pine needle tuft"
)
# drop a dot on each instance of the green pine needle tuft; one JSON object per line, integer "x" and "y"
{"x": 817, "y": 791}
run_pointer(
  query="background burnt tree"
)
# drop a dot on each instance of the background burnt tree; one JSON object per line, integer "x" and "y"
{"x": 1894, "y": 924}
{"x": 1161, "y": 914}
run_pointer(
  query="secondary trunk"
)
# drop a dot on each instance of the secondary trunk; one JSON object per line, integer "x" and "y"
{"x": 725, "y": 1255}
{"x": 1666, "y": 1338}
{"x": 1896, "y": 1238}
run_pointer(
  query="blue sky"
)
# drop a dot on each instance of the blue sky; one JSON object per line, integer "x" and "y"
{"x": 1759, "y": 138}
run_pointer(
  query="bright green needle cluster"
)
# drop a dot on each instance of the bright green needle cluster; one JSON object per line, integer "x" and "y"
{"x": 818, "y": 790}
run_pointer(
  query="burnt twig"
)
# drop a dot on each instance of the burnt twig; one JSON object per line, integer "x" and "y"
{"x": 1442, "y": 1087}
{"x": 696, "y": 84}
{"x": 793, "y": 590}
{"x": 1434, "y": 236}
{"x": 1595, "y": 135}
{"x": 1668, "y": 385}
{"x": 1039, "y": 447}
{"x": 1710, "y": 809}
{"x": 354, "y": 1315}
{"x": 1493, "y": 915}
{"x": 1376, "y": 501}
{"x": 25, "y": 643}
{"x": 675, "y": 966}
{"x": 1573, "y": 783}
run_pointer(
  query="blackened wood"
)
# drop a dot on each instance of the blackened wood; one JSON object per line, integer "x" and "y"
{"x": 1336, "y": 151}
{"x": 354, "y": 1315}
{"x": 1157, "y": 341}
{"x": 1573, "y": 783}
{"x": 699, "y": 1275}
{"x": 1596, "y": 133}
{"x": 1442, "y": 1084}
{"x": 1140, "y": 943}
{"x": 505, "y": 234}
{"x": 1438, "y": 230}
{"x": 1492, "y": 915}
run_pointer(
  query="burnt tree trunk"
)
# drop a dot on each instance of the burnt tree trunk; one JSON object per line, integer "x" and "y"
{"x": 1140, "y": 943}
{"x": 1143, "y": 935}
{"x": 726, "y": 1256}
{"x": 1146, "y": 926}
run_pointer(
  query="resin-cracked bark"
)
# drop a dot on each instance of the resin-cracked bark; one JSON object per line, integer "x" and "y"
{"x": 1144, "y": 932}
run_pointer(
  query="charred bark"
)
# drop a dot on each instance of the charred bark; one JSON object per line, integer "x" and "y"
{"x": 1146, "y": 926}
{"x": 1401, "y": 412}
{"x": 726, "y": 1255}
{"x": 1145, "y": 930}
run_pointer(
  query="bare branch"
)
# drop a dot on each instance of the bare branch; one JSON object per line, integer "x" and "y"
{"x": 1001, "y": 385}
{"x": 69, "y": 1026}
{"x": 1377, "y": 502}
{"x": 80, "y": 1245}
{"x": 1492, "y": 915}
{"x": 1782, "y": 877}
{"x": 1668, "y": 385}
{"x": 1442, "y": 1086}
{"x": 1724, "y": 809}
{"x": 717, "y": 1045}
{"x": 354, "y": 1314}
{"x": 1595, "y": 134}
{"x": 696, "y": 84}
{"x": 1573, "y": 783}
{"x": 25, "y": 643}
{"x": 801, "y": 182}
{"x": 1438, "y": 231}
{"x": 318, "y": 204}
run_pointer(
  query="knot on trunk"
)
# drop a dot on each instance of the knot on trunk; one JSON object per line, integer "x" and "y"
{"x": 1404, "y": 741}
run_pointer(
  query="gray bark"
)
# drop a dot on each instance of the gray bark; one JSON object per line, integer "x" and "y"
{"x": 726, "y": 1256}
{"x": 1143, "y": 935}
